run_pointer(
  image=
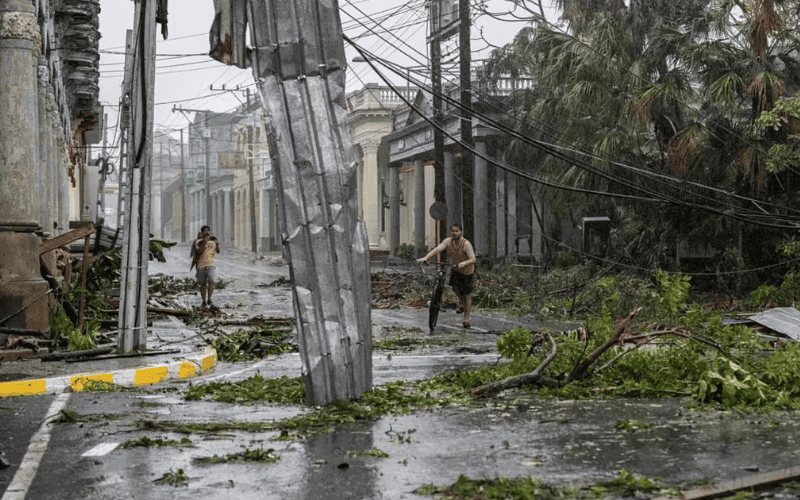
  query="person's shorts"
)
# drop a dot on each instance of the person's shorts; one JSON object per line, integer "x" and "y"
{"x": 463, "y": 284}
{"x": 206, "y": 275}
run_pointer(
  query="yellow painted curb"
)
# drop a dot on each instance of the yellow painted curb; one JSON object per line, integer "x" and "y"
{"x": 178, "y": 368}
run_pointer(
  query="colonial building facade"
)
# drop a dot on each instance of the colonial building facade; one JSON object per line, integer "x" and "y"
{"x": 395, "y": 150}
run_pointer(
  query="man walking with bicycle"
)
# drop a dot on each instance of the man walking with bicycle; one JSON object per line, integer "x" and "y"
{"x": 462, "y": 256}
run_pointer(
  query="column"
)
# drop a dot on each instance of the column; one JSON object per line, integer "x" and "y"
{"x": 217, "y": 229}
{"x": 52, "y": 159}
{"x": 195, "y": 226}
{"x": 523, "y": 213}
{"x": 43, "y": 178}
{"x": 371, "y": 192}
{"x": 500, "y": 211}
{"x": 430, "y": 224}
{"x": 263, "y": 215}
{"x": 480, "y": 201}
{"x": 359, "y": 154}
{"x": 45, "y": 181}
{"x": 23, "y": 292}
{"x": 420, "y": 210}
{"x": 511, "y": 205}
{"x": 228, "y": 215}
{"x": 452, "y": 192}
{"x": 394, "y": 215}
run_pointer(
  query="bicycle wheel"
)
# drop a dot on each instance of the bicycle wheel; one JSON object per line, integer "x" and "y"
{"x": 436, "y": 304}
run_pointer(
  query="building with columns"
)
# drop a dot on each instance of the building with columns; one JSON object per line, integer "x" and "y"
{"x": 371, "y": 112}
{"x": 507, "y": 219}
{"x": 48, "y": 103}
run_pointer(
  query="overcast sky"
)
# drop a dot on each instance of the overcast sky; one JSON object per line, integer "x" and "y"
{"x": 185, "y": 73}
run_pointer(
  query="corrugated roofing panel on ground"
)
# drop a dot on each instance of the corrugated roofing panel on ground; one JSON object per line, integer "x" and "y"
{"x": 785, "y": 320}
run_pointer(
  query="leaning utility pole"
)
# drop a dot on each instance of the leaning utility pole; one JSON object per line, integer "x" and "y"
{"x": 467, "y": 158}
{"x": 299, "y": 64}
{"x": 136, "y": 241}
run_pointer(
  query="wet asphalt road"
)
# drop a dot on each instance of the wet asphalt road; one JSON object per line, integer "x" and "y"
{"x": 557, "y": 441}
{"x": 562, "y": 442}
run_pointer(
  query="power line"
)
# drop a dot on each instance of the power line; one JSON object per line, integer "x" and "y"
{"x": 552, "y": 150}
{"x": 587, "y": 167}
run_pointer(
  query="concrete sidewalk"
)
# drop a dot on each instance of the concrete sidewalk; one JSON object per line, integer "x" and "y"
{"x": 32, "y": 376}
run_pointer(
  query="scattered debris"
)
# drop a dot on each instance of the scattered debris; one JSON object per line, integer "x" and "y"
{"x": 728, "y": 488}
{"x": 118, "y": 356}
{"x": 86, "y": 354}
{"x": 171, "y": 478}
{"x": 261, "y": 456}
{"x": 782, "y": 320}
{"x": 374, "y": 452}
{"x": 146, "y": 442}
{"x": 282, "y": 281}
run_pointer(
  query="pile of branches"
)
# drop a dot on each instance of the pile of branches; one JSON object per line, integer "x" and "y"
{"x": 586, "y": 368}
{"x": 402, "y": 289}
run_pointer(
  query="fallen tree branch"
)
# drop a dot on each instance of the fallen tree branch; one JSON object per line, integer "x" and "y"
{"x": 533, "y": 377}
{"x": 581, "y": 370}
{"x": 173, "y": 312}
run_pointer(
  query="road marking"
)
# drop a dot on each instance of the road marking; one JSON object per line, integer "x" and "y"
{"x": 33, "y": 457}
{"x": 101, "y": 450}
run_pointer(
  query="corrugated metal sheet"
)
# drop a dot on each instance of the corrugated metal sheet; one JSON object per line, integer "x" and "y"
{"x": 299, "y": 65}
{"x": 785, "y": 320}
{"x": 228, "y": 35}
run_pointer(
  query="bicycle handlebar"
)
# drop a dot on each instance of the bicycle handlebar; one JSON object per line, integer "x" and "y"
{"x": 444, "y": 265}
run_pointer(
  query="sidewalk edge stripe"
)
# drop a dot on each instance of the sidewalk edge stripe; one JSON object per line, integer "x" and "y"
{"x": 186, "y": 366}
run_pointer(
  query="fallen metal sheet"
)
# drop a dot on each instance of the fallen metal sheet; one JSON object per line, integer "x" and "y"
{"x": 785, "y": 320}
{"x": 728, "y": 488}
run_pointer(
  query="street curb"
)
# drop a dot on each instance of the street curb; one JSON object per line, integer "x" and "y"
{"x": 182, "y": 367}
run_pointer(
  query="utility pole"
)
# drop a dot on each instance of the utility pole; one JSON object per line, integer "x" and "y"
{"x": 440, "y": 30}
{"x": 207, "y": 133}
{"x": 161, "y": 187}
{"x": 208, "y": 176}
{"x": 124, "y": 172}
{"x": 253, "y": 234}
{"x": 101, "y": 209}
{"x": 467, "y": 159}
{"x": 183, "y": 193}
{"x": 136, "y": 242}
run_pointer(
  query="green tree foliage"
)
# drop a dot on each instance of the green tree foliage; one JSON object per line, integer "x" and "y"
{"x": 674, "y": 88}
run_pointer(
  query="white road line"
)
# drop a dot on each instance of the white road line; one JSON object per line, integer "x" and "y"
{"x": 101, "y": 449}
{"x": 33, "y": 457}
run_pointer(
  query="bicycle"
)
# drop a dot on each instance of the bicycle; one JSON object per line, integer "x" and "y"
{"x": 436, "y": 293}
